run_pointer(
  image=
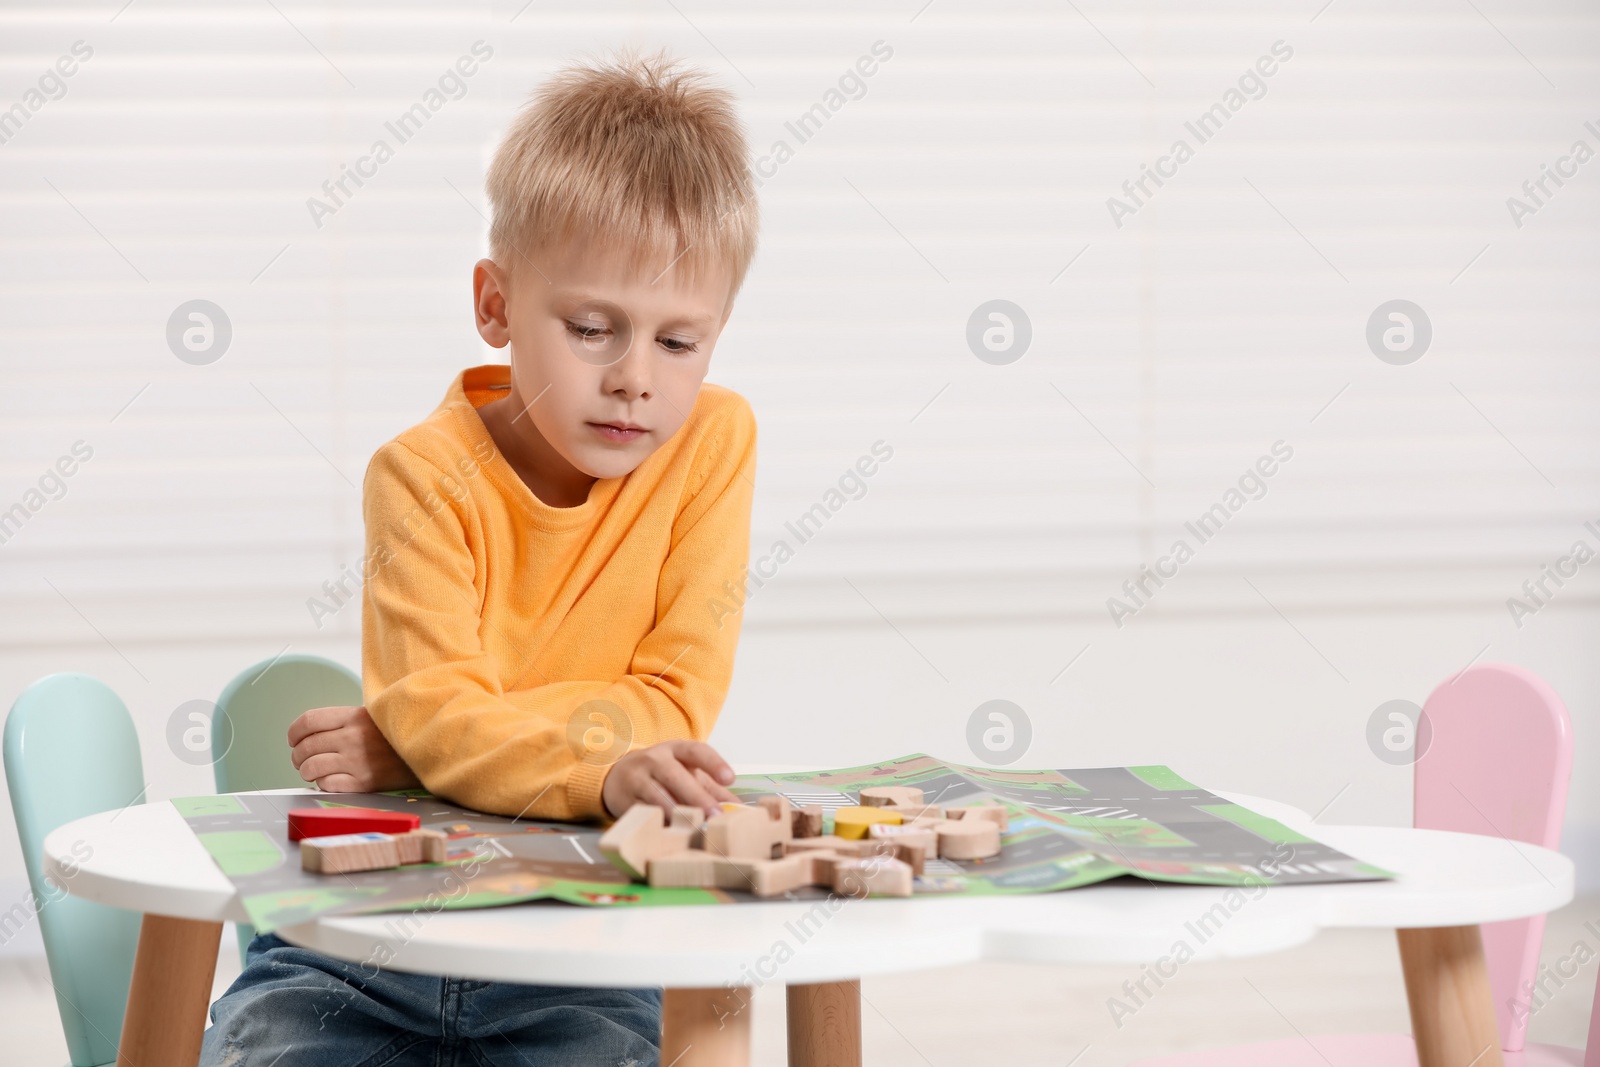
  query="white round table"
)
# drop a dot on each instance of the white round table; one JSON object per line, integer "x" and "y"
{"x": 145, "y": 858}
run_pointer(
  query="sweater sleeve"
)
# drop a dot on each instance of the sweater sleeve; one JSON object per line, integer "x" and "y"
{"x": 435, "y": 691}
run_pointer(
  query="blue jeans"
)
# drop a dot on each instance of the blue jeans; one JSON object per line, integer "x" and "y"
{"x": 292, "y": 1007}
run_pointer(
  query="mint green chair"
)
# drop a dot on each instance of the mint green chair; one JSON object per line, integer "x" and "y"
{"x": 250, "y": 728}
{"x": 71, "y": 751}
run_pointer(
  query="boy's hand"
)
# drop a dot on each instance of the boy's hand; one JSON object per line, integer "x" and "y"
{"x": 668, "y": 773}
{"x": 342, "y": 751}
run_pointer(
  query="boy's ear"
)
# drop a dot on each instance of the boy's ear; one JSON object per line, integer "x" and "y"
{"x": 490, "y": 289}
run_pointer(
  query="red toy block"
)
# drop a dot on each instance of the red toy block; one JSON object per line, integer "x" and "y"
{"x": 327, "y": 822}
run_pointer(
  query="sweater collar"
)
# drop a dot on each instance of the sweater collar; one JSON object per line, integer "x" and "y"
{"x": 476, "y": 386}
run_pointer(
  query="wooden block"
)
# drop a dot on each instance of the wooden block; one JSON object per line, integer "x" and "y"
{"x": 675, "y": 839}
{"x": 995, "y": 813}
{"x": 877, "y": 876}
{"x": 912, "y": 855}
{"x": 731, "y": 874}
{"x": 345, "y": 853}
{"x": 884, "y": 831}
{"x": 866, "y": 846}
{"x": 745, "y": 833}
{"x": 329, "y": 822}
{"x": 806, "y": 821}
{"x": 634, "y": 839}
{"x": 687, "y": 815}
{"x": 819, "y": 865}
{"x": 408, "y": 847}
{"x": 778, "y": 807}
{"x": 818, "y": 843}
{"x": 912, "y": 850}
{"x": 912, "y": 844}
{"x": 883, "y": 796}
{"x": 852, "y": 823}
{"x": 768, "y": 878}
{"x": 968, "y": 839}
{"x": 689, "y": 869}
{"x": 695, "y": 869}
{"x": 889, "y": 877}
{"x": 421, "y": 846}
{"x": 913, "y": 812}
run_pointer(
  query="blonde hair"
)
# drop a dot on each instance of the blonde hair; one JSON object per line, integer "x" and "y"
{"x": 636, "y": 154}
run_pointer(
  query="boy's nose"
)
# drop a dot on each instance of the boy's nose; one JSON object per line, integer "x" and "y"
{"x": 630, "y": 375}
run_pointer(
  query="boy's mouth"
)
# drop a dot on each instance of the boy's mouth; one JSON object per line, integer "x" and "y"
{"x": 617, "y": 431}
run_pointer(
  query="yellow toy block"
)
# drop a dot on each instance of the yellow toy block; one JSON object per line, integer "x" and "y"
{"x": 852, "y": 824}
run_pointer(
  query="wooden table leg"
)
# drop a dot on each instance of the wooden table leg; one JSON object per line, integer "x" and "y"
{"x": 1452, "y": 1008}
{"x": 705, "y": 1027}
{"x": 825, "y": 1024}
{"x": 172, "y": 972}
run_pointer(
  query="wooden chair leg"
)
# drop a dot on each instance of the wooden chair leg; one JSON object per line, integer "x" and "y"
{"x": 825, "y": 1024}
{"x": 1452, "y": 1008}
{"x": 171, "y": 990}
{"x": 705, "y": 1027}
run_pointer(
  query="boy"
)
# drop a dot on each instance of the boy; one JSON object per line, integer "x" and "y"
{"x": 544, "y": 553}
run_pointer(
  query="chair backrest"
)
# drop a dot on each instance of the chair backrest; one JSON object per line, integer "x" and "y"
{"x": 1592, "y": 1057}
{"x": 71, "y": 751}
{"x": 250, "y": 727}
{"x": 1498, "y": 762}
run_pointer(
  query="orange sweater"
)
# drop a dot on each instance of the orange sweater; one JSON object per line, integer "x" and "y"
{"x": 511, "y": 650}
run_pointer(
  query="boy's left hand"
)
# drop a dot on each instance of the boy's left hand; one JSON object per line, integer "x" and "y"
{"x": 666, "y": 774}
{"x": 342, "y": 750}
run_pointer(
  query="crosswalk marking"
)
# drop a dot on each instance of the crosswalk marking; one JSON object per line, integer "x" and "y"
{"x": 1098, "y": 813}
{"x": 826, "y": 800}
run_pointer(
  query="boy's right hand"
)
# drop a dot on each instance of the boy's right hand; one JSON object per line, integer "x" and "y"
{"x": 342, "y": 751}
{"x": 668, "y": 773}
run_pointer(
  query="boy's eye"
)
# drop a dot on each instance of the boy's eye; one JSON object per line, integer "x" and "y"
{"x": 672, "y": 344}
{"x": 586, "y": 330}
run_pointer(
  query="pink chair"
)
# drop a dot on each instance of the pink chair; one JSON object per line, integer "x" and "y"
{"x": 1592, "y": 1058}
{"x": 1498, "y": 763}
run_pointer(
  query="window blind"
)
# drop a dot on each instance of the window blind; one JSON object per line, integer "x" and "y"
{"x": 1177, "y": 330}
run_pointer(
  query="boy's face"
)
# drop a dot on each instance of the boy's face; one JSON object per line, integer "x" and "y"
{"x": 606, "y": 361}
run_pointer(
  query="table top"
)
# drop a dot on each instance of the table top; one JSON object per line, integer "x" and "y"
{"x": 146, "y": 858}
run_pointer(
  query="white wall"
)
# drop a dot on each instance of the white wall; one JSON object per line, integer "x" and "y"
{"x": 1168, "y": 354}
